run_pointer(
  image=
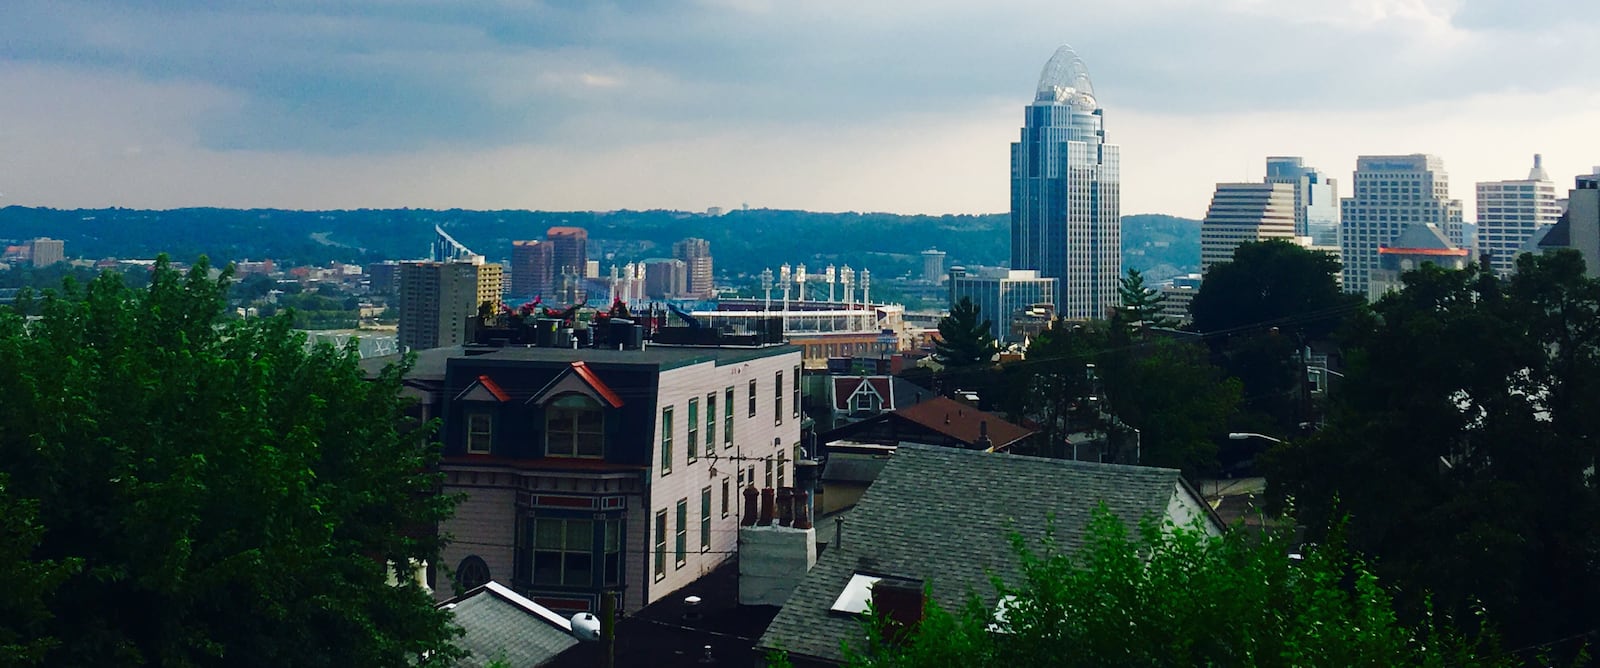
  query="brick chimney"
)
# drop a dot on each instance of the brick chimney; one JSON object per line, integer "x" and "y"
{"x": 983, "y": 436}
{"x": 774, "y": 557}
{"x": 899, "y": 601}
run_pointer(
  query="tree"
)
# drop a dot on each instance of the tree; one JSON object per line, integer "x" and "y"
{"x": 1259, "y": 311}
{"x": 1462, "y": 445}
{"x": 1174, "y": 596}
{"x": 964, "y": 340}
{"x": 1141, "y": 306}
{"x": 232, "y": 498}
{"x": 1180, "y": 403}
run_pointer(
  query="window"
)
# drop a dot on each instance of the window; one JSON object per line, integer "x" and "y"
{"x": 682, "y": 545}
{"x": 777, "y": 399}
{"x": 705, "y": 519}
{"x": 727, "y": 420}
{"x": 666, "y": 440}
{"x": 480, "y": 433}
{"x": 864, "y": 401}
{"x": 563, "y": 552}
{"x": 661, "y": 545}
{"x": 711, "y": 424}
{"x": 768, "y": 460}
{"x": 574, "y": 427}
{"x": 724, "y": 497}
{"x": 472, "y": 572}
{"x": 795, "y": 400}
{"x": 613, "y": 547}
{"x": 752, "y": 398}
{"x": 694, "y": 429}
{"x": 780, "y": 469}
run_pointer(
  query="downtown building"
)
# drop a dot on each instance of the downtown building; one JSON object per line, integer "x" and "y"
{"x": 440, "y": 297}
{"x": 1316, "y": 199}
{"x": 1066, "y": 192}
{"x": 1008, "y": 301}
{"x": 1390, "y": 193}
{"x": 1243, "y": 212}
{"x": 553, "y": 268}
{"x": 695, "y": 254}
{"x": 1512, "y": 212}
{"x": 1579, "y": 226}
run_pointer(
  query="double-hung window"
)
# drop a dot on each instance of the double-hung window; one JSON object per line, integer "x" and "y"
{"x": 666, "y": 440}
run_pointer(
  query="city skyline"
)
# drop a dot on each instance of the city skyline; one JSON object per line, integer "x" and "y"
{"x": 826, "y": 106}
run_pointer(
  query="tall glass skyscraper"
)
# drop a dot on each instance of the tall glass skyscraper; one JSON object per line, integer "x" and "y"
{"x": 1066, "y": 188}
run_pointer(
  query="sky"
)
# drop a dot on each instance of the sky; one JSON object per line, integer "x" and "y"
{"x": 905, "y": 106}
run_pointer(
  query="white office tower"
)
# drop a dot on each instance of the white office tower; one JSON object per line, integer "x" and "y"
{"x": 1511, "y": 212}
{"x": 1391, "y": 192}
{"x": 1066, "y": 207}
{"x": 1243, "y": 212}
{"x": 1316, "y": 199}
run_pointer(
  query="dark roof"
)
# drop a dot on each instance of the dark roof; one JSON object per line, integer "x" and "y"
{"x": 853, "y": 467}
{"x": 962, "y": 422}
{"x": 666, "y": 634}
{"x": 1420, "y": 236}
{"x": 500, "y": 624}
{"x": 943, "y": 515}
{"x": 1559, "y": 236}
{"x": 661, "y": 356}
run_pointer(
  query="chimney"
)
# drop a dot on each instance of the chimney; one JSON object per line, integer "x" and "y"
{"x": 785, "y": 506}
{"x": 802, "y": 509}
{"x": 900, "y": 601}
{"x": 983, "y": 436}
{"x": 766, "y": 508}
{"x": 750, "y": 495}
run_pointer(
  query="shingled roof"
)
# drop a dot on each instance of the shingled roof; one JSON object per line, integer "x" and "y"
{"x": 943, "y": 515}
{"x": 501, "y": 624}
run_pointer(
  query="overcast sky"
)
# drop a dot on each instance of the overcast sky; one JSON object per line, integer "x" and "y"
{"x": 866, "y": 105}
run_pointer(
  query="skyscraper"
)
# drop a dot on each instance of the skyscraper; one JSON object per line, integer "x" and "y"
{"x": 1510, "y": 212}
{"x": 438, "y": 301}
{"x": 1243, "y": 212}
{"x": 1066, "y": 192}
{"x": 569, "y": 260}
{"x": 696, "y": 257}
{"x": 531, "y": 269}
{"x": 1391, "y": 192}
{"x": 1316, "y": 199}
{"x": 45, "y": 251}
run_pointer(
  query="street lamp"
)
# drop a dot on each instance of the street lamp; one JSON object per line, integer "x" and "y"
{"x": 1247, "y": 435}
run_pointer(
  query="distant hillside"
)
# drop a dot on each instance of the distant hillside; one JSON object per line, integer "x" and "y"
{"x": 743, "y": 241}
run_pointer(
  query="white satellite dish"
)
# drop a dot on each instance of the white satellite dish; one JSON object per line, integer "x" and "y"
{"x": 586, "y": 627}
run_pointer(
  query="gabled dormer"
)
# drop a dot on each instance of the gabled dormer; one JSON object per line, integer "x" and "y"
{"x": 572, "y": 409}
{"x": 482, "y": 402}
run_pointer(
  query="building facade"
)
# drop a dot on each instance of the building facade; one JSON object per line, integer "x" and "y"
{"x": 45, "y": 251}
{"x": 696, "y": 257}
{"x": 1418, "y": 245}
{"x": 665, "y": 279}
{"x": 1389, "y": 193}
{"x": 439, "y": 300}
{"x": 1003, "y": 299}
{"x": 591, "y": 470}
{"x": 1316, "y": 199}
{"x": 531, "y": 269}
{"x": 1511, "y": 212}
{"x": 1242, "y": 212}
{"x": 933, "y": 265}
{"x": 1579, "y": 226}
{"x": 1066, "y": 192}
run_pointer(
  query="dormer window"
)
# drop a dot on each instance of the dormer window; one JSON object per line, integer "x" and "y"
{"x": 574, "y": 427}
{"x": 480, "y": 433}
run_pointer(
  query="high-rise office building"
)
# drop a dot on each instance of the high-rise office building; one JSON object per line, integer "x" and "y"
{"x": 1005, "y": 299}
{"x": 665, "y": 278}
{"x": 531, "y": 269}
{"x": 1243, "y": 212}
{"x": 438, "y": 301}
{"x": 1391, "y": 192}
{"x": 45, "y": 251}
{"x": 696, "y": 257}
{"x": 1316, "y": 199}
{"x": 1066, "y": 192}
{"x": 1579, "y": 226}
{"x": 933, "y": 265}
{"x": 1510, "y": 212}
{"x": 569, "y": 260}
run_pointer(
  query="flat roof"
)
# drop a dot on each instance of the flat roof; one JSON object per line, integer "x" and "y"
{"x": 433, "y": 362}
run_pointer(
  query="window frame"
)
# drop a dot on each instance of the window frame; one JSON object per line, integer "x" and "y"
{"x": 705, "y": 519}
{"x": 711, "y": 423}
{"x": 752, "y": 397}
{"x": 777, "y": 398}
{"x": 563, "y": 551}
{"x": 554, "y": 408}
{"x": 473, "y": 434}
{"x": 680, "y": 552}
{"x": 725, "y": 497}
{"x": 666, "y": 440}
{"x": 795, "y": 399}
{"x": 727, "y": 419}
{"x": 661, "y": 545}
{"x": 694, "y": 430}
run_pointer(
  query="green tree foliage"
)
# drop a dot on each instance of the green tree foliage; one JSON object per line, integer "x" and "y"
{"x": 1462, "y": 445}
{"x": 1141, "y": 305}
{"x": 232, "y": 499}
{"x": 1174, "y": 596}
{"x": 964, "y": 338}
{"x": 1259, "y": 310}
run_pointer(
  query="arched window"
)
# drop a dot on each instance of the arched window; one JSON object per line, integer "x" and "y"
{"x": 574, "y": 427}
{"x": 472, "y": 572}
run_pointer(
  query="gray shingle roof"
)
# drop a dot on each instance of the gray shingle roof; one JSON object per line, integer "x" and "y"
{"x": 501, "y": 625}
{"x": 943, "y": 515}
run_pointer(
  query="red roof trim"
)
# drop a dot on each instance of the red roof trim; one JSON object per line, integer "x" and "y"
{"x": 493, "y": 389}
{"x": 599, "y": 386}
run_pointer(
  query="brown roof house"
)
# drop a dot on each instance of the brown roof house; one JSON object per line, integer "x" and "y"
{"x": 938, "y": 518}
{"x": 936, "y": 421}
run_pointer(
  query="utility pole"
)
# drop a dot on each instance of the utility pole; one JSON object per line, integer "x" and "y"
{"x": 608, "y": 630}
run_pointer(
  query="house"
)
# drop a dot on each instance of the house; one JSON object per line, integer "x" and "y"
{"x": 502, "y": 625}
{"x": 855, "y": 398}
{"x": 940, "y": 517}
{"x": 584, "y": 470}
{"x": 935, "y": 421}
